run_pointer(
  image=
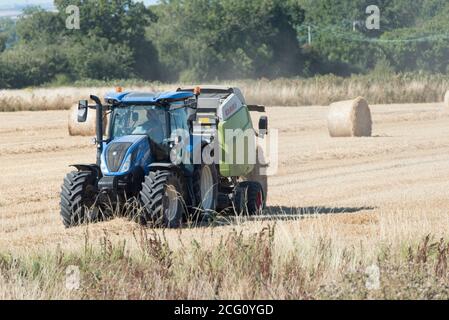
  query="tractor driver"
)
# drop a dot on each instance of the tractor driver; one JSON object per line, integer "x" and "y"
{"x": 151, "y": 127}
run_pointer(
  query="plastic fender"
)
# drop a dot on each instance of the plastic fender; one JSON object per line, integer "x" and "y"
{"x": 242, "y": 126}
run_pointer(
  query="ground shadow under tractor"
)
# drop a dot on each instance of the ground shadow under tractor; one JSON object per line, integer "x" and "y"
{"x": 282, "y": 213}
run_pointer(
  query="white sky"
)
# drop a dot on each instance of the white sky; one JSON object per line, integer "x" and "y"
{"x": 10, "y": 5}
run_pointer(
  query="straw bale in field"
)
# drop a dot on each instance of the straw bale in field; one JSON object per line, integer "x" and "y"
{"x": 351, "y": 118}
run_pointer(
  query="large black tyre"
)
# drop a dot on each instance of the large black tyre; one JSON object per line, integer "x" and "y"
{"x": 248, "y": 198}
{"x": 205, "y": 188}
{"x": 78, "y": 197}
{"x": 163, "y": 199}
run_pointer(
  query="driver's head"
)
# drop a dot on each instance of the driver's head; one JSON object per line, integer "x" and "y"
{"x": 152, "y": 117}
{"x": 150, "y": 114}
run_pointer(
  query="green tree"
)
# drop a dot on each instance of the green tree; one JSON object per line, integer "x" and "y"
{"x": 3, "y": 40}
{"x": 201, "y": 40}
{"x": 28, "y": 65}
{"x": 225, "y": 39}
{"x": 422, "y": 47}
{"x": 97, "y": 58}
{"x": 7, "y": 33}
{"x": 335, "y": 39}
{"x": 110, "y": 44}
{"x": 39, "y": 26}
{"x": 122, "y": 23}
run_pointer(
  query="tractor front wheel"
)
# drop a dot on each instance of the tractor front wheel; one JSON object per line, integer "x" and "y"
{"x": 78, "y": 197}
{"x": 162, "y": 199}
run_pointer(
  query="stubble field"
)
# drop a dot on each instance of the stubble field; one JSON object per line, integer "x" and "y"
{"x": 336, "y": 206}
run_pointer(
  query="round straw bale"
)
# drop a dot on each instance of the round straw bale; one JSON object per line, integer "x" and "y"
{"x": 351, "y": 118}
{"x": 84, "y": 128}
{"x": 446, "y": 99}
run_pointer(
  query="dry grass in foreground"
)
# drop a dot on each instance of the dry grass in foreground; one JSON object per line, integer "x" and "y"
{"x": 320, "y": 90}
{"x": 237, "y": 265}
{"x": 338, "y": 207}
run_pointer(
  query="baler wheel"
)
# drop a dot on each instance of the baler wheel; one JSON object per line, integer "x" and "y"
{"x": 248, "y": 198}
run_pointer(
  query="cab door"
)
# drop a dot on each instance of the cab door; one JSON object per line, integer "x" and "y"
{"x": 178, "y": 124}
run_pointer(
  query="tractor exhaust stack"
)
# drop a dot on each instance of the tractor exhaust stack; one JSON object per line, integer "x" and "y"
{"x": 99, "y": 127}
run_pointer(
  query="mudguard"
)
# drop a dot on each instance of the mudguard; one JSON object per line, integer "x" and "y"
{"x": 88, "y": 167}
{"x": 164, "y": 166}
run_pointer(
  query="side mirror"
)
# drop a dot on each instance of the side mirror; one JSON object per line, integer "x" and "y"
{"x": 82, "y": 110}
{"x": 263, "y": 126}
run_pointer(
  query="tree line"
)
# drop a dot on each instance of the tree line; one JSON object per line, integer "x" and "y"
{"x": 206, "y": 40}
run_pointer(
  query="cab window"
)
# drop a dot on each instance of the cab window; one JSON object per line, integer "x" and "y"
{"x": 178, "y": 119}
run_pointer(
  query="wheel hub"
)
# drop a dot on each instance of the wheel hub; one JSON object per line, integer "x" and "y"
{"x": 171, "y": 197}
{"x": 259, "y": 201}
{"x": 207, "y": 188}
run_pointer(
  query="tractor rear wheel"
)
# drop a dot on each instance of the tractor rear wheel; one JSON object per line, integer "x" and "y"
{"x": 248, "y": 198}
{"x": 78, "y": 196}
{"x": 205, "y": 188}
{"x": 162, "y": 199}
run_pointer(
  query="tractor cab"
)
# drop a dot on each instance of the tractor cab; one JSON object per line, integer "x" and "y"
{"x": 140, "y": 136}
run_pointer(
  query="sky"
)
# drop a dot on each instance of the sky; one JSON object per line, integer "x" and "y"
{"x": 10, "y": 8}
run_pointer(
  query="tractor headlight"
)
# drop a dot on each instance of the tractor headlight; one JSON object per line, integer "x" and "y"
{"x": 103, "y": 167}
{"x": 127, "y": 164}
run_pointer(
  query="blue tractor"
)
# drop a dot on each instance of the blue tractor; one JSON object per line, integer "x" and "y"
{"x": 148, "y": 156}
